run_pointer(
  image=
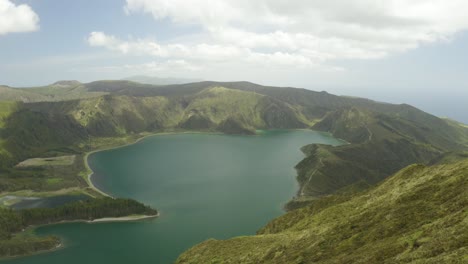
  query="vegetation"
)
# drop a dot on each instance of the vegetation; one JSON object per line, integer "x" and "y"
{"x": 15, "y": 242}
{"x": 85, "y": 210}
{"x": 44, "y": 175}
{"x": 379, "y": 147}
{"x": 419, "y": 215}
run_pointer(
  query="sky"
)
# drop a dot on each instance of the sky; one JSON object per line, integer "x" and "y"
{"x": 399, "y": 51}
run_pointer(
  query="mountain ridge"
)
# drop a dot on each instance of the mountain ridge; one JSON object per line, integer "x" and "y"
{"x": 105, "y": 109}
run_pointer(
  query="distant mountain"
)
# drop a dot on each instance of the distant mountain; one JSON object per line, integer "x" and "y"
{"x": 66, "y": 83}
{"x": 58, "y": 91}
{"x": 160, "y": 81}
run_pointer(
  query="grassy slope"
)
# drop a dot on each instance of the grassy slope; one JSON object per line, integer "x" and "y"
{"x": 381, "y": 145}
{"x": 20, "y": 95}
{"x": 6, "y": 109}
{"x": 419, "y": 215}
{"x": 217, "y": 103}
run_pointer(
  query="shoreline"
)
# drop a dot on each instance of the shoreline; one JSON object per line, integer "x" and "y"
{"x": 90, "y": 171}
{"x": 129, "y": 218}
{"x": 138, "y": 137}
{"x": 123, "y": 219}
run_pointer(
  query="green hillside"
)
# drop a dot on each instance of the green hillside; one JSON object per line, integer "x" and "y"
{"x": 380, "y": 145}
{"x": 419, "y": 215}
{"x": 71, "y": 118}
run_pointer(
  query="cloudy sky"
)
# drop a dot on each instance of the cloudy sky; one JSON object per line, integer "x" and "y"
{"x": 411, "y": 51}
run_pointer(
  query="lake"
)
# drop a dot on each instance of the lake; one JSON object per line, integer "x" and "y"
{"x": 204, "y": 185}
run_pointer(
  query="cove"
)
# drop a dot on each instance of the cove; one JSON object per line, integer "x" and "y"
{"x": 204, "y": 185}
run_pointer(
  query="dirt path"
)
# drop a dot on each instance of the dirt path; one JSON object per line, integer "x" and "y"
{"x": 310, "y": 178}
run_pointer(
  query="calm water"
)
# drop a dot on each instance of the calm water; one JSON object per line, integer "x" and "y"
{"x": 205, "y": 186}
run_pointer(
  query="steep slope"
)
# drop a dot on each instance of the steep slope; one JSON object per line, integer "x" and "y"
{"x": 419, "y": 215}
{"x": 380, "y": 145}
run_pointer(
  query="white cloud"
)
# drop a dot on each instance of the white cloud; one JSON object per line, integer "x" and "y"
{"x": 150, "y": 47}
{"x": 169, "y": 67}
{"x": 390, "y": 25}
{"x": 99, "y": 39}
{"x": 17, "y": 18}
{"x": 301, "y": 33}
{"x": 156, "y": 67}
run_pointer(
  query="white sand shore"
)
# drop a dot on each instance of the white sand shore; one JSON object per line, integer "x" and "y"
{"x": 123, "y": 219}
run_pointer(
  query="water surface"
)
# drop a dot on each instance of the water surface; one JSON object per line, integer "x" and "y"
{"x": 205, "y": 186}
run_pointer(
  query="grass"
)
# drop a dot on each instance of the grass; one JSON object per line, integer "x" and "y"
{"x": 53, "y": 181}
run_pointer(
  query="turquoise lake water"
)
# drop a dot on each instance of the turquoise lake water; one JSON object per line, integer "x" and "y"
{"x": 204, "y": 185}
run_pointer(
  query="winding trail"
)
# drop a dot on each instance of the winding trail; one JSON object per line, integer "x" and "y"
{"x": 369, "y": 132}
{"x": 310, "y": 177}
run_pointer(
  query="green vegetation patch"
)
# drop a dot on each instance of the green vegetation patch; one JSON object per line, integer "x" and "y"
{"x": 6, "y": 108}
{"x": 53, "y": 181}
{"x": 51, "y": 161}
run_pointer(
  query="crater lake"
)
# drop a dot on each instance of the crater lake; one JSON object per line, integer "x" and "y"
{"x": 204, "y": 186}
